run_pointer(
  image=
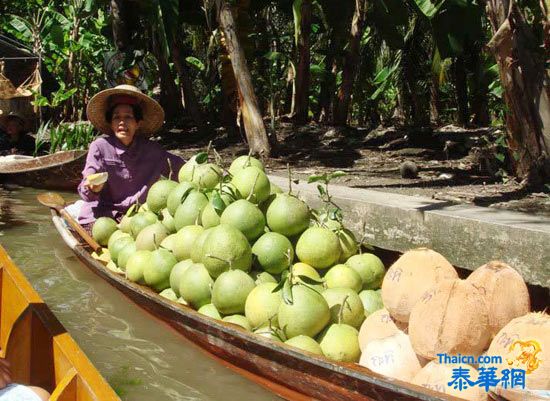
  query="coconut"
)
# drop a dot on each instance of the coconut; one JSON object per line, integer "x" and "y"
{"x": 451, "y": 318}
{"x": 414, "y": 273}
{"x": 436, "y": 376}
{"x": 376, "y": 326}
{"x": 505, "y": 292}
{"x": 391, "y": 356}
{"x": 524, "y": 343}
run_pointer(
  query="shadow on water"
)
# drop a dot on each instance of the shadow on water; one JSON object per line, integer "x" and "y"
{"x": 142, "y": 358}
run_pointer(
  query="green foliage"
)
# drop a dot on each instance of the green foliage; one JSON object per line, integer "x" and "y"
{"x": 64, "y": 136}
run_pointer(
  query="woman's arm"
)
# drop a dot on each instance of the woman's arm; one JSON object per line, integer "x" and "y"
{"x": 94, "y": 164}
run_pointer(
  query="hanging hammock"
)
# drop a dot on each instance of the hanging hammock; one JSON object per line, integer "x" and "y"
{"x": 9, "y": 91}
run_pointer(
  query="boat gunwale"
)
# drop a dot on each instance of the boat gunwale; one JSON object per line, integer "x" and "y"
{"x": 20, "y": 166}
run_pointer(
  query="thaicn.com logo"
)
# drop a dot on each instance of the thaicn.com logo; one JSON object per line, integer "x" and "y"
{"x": 495, "y": 370}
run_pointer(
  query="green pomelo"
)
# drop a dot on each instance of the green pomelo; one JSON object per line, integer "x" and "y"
{"x": 125, "y": 224}
{"x": 327, "y": 222}
{"x": 102, "y": 230}
{"x": 252, "y": 184}
{"x": 169, "y": 242}
{"x": 239, "y": 320}
{"x": 348, "y": 244}
{"x": 226, "y": 248}
{"x": 140, "y": 221}
{"x": 158, "y": 194}
{"x": 116, "y": 235}
{"x": 262, "y": 277}
{"x": 185, "y": 241}
{"x": 177, "y": 273}
{"x": 318, "y": 247}
{"x": 372, "y": 301}
{"x": 274, "y": 252}
{"x": 245, "y": 217}
{"x": 125, "y": 254}
{"x": 230, "y": 291}
{"x": 151, "y": 237}
{"x": 308, "y": 314}
{"x": 287, "y": 215}
{"x": 340, "y": 343}
{"x": 303, "y": 269}
{"x": 197, "y": 246}
{"x": 136, "y": 264}
{"x": 262, "y": 305}
{"x": 207, "y": 176}
{"x": 275, "y": 189}
{"x": 143, "y": 208}
{"x": 210, "y": 311}
{"x": 270, "y": 333}
{"x": 177, "y": 196}
{"x": 117, "y": 246}
{"x": 189, "y": 212}
{"x": 242, "y": 162}
{"x": 209, "y": 216}
{"x": 168, "y": 221}
{"x": 169, "y": 294}
{"x": 342, "y": 276}
{"x": 157, "y": 272}
{"x": 353, "y": 313}
{"x": 305, "y": 343}
{"x": 370, "y": 268}
{"x": 195, "y": 285}
{"x": 187, "y": 170}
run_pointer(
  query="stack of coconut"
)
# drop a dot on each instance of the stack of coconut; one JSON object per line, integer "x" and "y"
{"x": 428, "y": 311}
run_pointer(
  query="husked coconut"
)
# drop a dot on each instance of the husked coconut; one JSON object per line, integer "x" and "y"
{"x": 524, "y": 343}
{"x": 451, "y": 318}
{"x": 505, "y": 292}
{"x": 437, "y": 377}
{"x": 391, "y": 356}
{"x": 414, "y": 273}
{"x": 376, "y": 326}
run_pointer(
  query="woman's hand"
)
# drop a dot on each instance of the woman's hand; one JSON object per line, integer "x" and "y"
{"x": 95, "y": 188}
{"x": 5, "y": 377}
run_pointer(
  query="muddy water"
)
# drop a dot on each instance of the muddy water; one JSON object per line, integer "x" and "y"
{"x": 141, "y": 358}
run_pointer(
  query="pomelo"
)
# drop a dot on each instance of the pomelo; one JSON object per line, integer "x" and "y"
{"x": 177, "y": 273}
{"x": 370, "y": 268}
{"x": 242, "y": 162}
{"x": 305, "y": 343}
{"x": 246, "y": 217}
{"x": 168, "y": 221}
{"x": 157, "y": 272}
{"x": 207, "y": 176}
{"x": 140, "y": 221}
{"x": 187, "y": 170}
{"x": 195, "y": 285}
{"x": 252, "y": 184}
{"x": 117, "y": 246}
{"x": 308, "y": 314}
{"x": 185, "y": 241}
{"x": 125, "y": 254}
{"x": 116, "y": 235}
{"x": 273, "y": 252}
{"x": 169, "y": 294}
{"x": 262, "y": 305}
{"x": 151, "y": 237}
{"x": 157, "y": 195}
{"x": 504, "y": 291}
{"x": 318, "y": 247}
{"x": 125, "y": 224}
{"x": 342, "y": 276}
{"x": 226, "y": 248}
{"x": 136, "y": 264}
{"x": 339, "y": 343}
{"x": 239, "y": 320}
{"x": 303, "y": 269}
{"x": 97, "y": 178}
{"x": 372, "y": 301}
{"x": 326, "y": 221}
{"x": 414, "y": 273}
{"x": 102, "y": 229}
{"x": 197, "y": 247}
{"x": 348, "y": 244}
{"x": 262, "y": 277}
{"x": 287, "y": 215}
{"x": 210, "y": 216}
{"x": 210, "y": 311}
{"x": 178, "y": 195}
{"x": 271, "y": 333}
{"x": 376, "y": 326}
{"x": 230, "y": 291}
{"x": 169, "y": 242}
{"x": 353, "y": 313}
{"x": 189, "y": 212}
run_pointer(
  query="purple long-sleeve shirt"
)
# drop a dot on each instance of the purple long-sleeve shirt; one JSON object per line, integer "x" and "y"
{"x": 132, "y": 170}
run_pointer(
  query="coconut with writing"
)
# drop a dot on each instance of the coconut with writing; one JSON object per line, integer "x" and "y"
{"x": 451, "y": 318}
{"x": 414, "y": 273}
{"x": 505, "y": 292}
{"x": 376, "y": 326}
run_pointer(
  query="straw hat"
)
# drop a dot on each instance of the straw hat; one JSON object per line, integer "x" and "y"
{"x": 4, "y": 118}
{"x": 153, "y": 114}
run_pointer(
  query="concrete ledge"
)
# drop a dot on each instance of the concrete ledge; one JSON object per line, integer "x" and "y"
{"x": 468, "y": 236}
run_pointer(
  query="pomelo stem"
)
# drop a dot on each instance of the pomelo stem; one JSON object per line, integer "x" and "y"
{"x": 289, "y": 178}
{"x": 170, "y": 170}
{"x": 229, "y": 262}
{"x": 341, "y": 311}
{"x": 253, "y": 187}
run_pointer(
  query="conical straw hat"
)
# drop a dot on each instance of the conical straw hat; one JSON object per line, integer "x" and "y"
{"x": 153, "y": 114}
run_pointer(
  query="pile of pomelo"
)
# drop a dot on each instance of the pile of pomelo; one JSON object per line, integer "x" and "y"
{"x": 235, "y": 247}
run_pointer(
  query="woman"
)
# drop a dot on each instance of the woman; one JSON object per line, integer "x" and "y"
{"x": 133, "y": 163}
{"x": 15, "y": 140}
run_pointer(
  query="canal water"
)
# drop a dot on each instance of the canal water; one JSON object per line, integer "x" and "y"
{"x": 142, "y": 358}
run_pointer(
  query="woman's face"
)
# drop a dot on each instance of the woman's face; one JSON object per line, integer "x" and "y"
{"x": 124, "y": 124}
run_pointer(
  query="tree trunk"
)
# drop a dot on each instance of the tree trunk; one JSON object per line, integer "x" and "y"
{"x": 461, "y": 86}
{"x": 480, "y": 100}
{"x": 121, "y": 26}
{"x": 434, "y": 100}
{"x": 526, "y": 90}
{"x": 341, "y": 107}
{"x": 253, "y": 122}
{"x": 301, "y": 93}
{"x": 327, "y": 87}
{"x": 168, "y": 89}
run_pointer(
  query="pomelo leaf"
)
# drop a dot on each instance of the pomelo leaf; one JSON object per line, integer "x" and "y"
{"x": 201, "y": 157}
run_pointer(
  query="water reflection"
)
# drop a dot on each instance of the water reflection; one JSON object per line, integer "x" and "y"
{"x": 142, "y": 358}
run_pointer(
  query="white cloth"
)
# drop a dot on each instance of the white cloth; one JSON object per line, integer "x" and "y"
{"x": 18, "y": 392}
{"x": 74, "y": 209}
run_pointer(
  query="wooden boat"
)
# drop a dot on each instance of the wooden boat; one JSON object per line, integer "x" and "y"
{"x": 61, "y": 170}
{"x": 40, "y": 351}
{"x": 290, "y": 373}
